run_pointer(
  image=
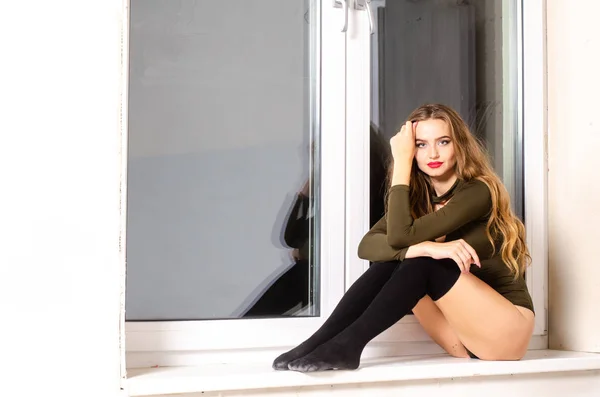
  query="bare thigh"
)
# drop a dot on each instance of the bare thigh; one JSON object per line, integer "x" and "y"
{"x": 484, "y": 321}
{"x": 437, "y": 327}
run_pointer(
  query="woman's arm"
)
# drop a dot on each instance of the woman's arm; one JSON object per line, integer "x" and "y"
{"x": 469, "y": 204}
{"x": 374, "y": 247}
{"x": 458, "y": 250}
{"x": 473, "y": 247}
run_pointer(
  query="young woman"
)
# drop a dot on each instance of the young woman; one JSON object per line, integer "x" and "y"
{"x": 449, "y": 248}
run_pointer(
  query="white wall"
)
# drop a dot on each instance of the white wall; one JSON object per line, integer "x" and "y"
{"x": 574, "y": 189}
{"x": 59, "y": 208}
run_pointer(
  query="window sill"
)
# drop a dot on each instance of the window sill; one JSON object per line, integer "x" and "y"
{"x": 227, "y": 377}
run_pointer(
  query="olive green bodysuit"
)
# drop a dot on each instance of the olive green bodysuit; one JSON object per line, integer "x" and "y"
{"x": 464, "y": 217}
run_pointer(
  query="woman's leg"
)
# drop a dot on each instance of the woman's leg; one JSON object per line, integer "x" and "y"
{"x": 415, "y": 278}
{"x": 351, "y": 306}
{"x": 438, "y": 328}
{"x": 487, "y": 323}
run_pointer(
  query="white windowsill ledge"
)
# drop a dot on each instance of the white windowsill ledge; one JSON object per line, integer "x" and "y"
{"x": 228, "y": 377}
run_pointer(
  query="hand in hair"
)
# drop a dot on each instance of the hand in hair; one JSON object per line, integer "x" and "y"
{"x": 403, "y": 143}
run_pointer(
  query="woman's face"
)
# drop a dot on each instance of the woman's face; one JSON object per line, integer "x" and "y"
{"x": 435, "y": 149}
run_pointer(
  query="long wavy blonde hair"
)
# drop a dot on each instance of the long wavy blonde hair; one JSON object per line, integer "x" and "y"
{"x": 472, "y": 163}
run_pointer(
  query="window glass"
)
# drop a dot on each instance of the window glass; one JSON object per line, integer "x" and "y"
{"x": 222, "y": 160}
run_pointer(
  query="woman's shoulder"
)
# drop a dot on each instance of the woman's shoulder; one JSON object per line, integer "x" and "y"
{"x": 475, "y": 187}
{"x": 475, "y": 195}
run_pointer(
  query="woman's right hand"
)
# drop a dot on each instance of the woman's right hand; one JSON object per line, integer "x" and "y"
{"x": 403, "y": 145}
{"x": 458, "y": 250}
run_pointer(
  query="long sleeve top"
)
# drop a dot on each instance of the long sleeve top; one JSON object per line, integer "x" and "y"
{"x": 464, "y": 217}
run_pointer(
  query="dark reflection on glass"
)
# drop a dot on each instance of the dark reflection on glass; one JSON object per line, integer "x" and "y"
{"x": 380, "y": 157}
{"x": 455, "y": 53}
{"x": 291, "y": 291}
{"x": 426, "y": 54}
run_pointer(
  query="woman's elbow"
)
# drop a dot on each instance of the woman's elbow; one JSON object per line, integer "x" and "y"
{"x": 399, "y": 242}
{"x": 367, "y": 248}
{"x": 363, "y": 250}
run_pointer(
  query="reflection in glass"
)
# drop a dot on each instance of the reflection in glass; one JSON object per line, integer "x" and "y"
{"x": 291, "y": 289}
{"x": 222, "y": 136}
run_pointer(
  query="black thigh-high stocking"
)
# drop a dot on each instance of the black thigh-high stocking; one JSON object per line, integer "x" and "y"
{"x": 353, "y": 304}
{"x": 415, "y": 278}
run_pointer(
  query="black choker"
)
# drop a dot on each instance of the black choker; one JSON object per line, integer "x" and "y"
{"x": 446, "y": 196}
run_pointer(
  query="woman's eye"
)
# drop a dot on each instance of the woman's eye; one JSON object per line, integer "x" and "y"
{"x": 420, "y": 145}
{"x": 444, "y": 142}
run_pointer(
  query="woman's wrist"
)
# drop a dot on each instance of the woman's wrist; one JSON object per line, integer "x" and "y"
{"x": 401, "y": 172}
{"x": 417, "y": 250}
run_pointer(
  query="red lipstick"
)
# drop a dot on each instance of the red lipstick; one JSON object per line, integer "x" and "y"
{"x": 435, "y": 164}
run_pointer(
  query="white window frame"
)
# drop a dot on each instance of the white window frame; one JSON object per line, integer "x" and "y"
{"x": 347, "y": 78}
